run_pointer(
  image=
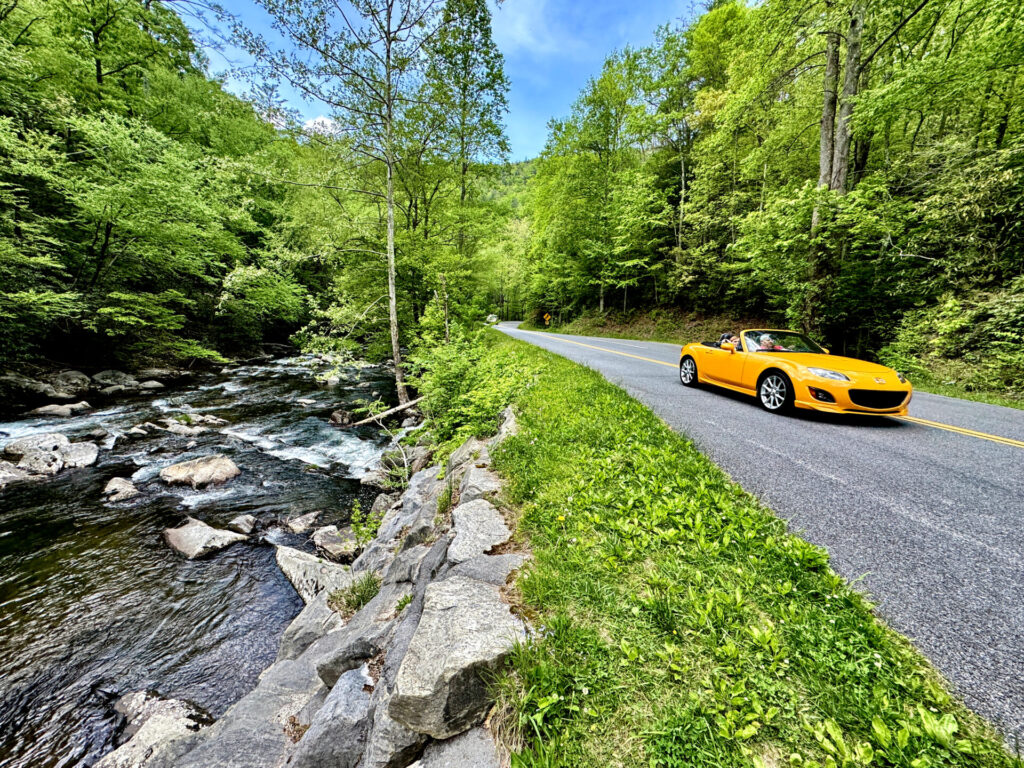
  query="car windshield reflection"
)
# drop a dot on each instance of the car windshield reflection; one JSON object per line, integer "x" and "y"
{"x": 779, "y": 341}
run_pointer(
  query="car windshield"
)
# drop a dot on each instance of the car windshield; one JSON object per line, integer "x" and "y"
{"x": 779, "y": 341}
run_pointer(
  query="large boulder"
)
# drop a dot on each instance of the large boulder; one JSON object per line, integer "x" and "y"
{"x": 208, "y": 470}
{"x": 303, "y": 523}
{"x": 196, "y": 539}
{"x": 465, "y": 632}
{"x": 478, "y": 483}
{"x": 337, "y": 736}
{"x": 55, "y": 410}
{"x": 243, "y": 524}
{"x": 120, "y": 489}
{"x": 108, "y": 379}
{"x": 473, "y": 749}
{"x": 261, "y": 728}
{"x": 17, "y": 388}
{"x": 73, "y": 383}
{"x": 80, "y": 455}
{"x": 478, "y": 527}
{"x": 313, "y": 622}
{"x": 158, "y": 731}
{"x": 509, "y": 426}
{"x": 389, "y": 743}
{"x": 340, "y": 545}
{"x": 9, "y": 473}
{"x": 415, "y": 458}
{"x": 39, "y": 454}
{"x": 494, "y": 569}
{"x": 309, "y": 574}
{"x": 471, "y": 450}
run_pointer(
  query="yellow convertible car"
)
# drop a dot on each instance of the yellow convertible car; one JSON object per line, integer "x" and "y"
{"x": 785, "y": 369}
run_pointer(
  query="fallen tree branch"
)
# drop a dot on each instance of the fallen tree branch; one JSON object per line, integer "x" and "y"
{"x": 386, "y": 413}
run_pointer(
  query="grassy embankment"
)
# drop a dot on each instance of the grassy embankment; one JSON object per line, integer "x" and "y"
{"x": 929, "y": 374}
{"x": 680, "y": 625}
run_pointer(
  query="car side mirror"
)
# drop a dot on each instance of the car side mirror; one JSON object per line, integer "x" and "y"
{"x": 825, "y": 351}
{"x": 728, "y": 346}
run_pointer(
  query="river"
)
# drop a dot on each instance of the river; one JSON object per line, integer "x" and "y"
{"x": 93, "y": 604}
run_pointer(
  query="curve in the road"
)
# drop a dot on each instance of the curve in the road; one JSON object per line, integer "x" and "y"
{"x": 927, "y": 512}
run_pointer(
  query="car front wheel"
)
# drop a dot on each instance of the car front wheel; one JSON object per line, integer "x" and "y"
{"x": 775, "y": 392}
{"x": 688, "y": 372}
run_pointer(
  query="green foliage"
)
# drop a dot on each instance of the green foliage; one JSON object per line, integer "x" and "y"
{"x": 680, "y": 623}
{"x": 687, "y": 174}
{"x": 468, "y": 382}
{"x": 365, "y": 524}
{"x": 349, "y": 600}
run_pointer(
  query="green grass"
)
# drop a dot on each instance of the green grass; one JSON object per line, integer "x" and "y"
{"x": 679, "y": 624}
{"x": 349, "y": 600}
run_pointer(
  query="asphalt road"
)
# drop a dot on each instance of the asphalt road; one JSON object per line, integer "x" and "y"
{"x": 930, "y": 519}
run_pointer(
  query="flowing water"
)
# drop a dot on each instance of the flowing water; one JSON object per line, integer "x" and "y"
{"x": 93, "y": 604}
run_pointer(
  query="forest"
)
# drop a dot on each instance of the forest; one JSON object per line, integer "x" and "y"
{"x": 849, "y": 167}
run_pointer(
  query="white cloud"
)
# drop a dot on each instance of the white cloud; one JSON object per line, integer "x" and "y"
{"x": 528, "y": 26}
{"x": 324, "y": 126}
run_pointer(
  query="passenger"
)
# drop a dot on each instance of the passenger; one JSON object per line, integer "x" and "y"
{"x": 735, "y": 341}
{"x": 767, "y": 344}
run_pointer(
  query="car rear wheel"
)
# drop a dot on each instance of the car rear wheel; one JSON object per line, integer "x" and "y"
{"x": 774, "y": 392}
{"x": 688, "y": 372}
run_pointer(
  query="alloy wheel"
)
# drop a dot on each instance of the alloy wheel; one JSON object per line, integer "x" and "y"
{"x": 688, "y": 372}
{"x": 774, "y": 392}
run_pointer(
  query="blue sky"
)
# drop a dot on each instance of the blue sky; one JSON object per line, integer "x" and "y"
{"x": 551, "y": 48}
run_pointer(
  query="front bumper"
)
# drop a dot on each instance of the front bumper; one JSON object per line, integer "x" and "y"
{"x": 810, "y": 397}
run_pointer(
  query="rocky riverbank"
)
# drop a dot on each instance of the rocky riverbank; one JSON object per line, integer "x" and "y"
{"x": 388, "y": 664}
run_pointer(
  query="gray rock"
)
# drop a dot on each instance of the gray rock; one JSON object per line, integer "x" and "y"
{"x": 59, "y": 411}
{"x": 414, "y": 457}
{"x": 375, "y": 478}
{"x": 409, "y": 422}
{"x": 383, "y": 503}
{"x": 365, "y": 634}
{"x": 478, "y": 483}
{"x": 340, "y": 545}
{"x": 113, "y": 389}
{"x": 115, "y": 379}
{"x": 375, "y": 558}
{"x": 151, "y": 385}
{"x": 40, "y": 454}
{"x": 120, "y": 489}
{"x": 478, "y": 527}
{"x": 160, "y": 373}
{"x": 196, "y": 539}
{"x": 389, "y": 744}
{"x": 19, "y": 387}
{"x": 260, "y": 730}
{"x": 465, "y": 632}
{"x": 337, "y": 735}
{"x": 208, "y": 470}
{"x": 468, "y": 451}
{"x": 11, "y": 474}
{"x": 245, "y": 524}
{"x": 493, "y": 569}
{"x": 72, "y": 382}
{"x": 473, "y": 749}
{"x": 159, "y": 732}
{"x": 175, "y": 427}
{"x": 52, "y": 442}
{"x": 80, "y": 455}
{"x": 80, "y": 407}
{"x": 313, "y": 622}
{"x": 343, "y": 418}
{"x": 406, "y": 566}
{"x": 303, "y": 523}
{"x": 509, "y": 426}
{"x": 310, "y": 574}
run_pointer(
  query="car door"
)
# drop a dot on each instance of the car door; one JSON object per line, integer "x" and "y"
{"x": 721, "y": 365}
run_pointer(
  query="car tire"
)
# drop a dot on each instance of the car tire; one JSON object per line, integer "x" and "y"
{"x": 775, "y": 392}
{"x": 688, "y": 372}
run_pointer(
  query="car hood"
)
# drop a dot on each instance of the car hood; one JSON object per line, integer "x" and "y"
{"x": 838, "y": 363}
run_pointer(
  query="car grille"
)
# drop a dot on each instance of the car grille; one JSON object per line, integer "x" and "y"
{"x": 873, "y": 398}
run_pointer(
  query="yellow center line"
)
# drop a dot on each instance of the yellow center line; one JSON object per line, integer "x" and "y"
{"x": 963, "y": 431}
{"x": 600, "y": 349}
{"x": 912, "y": 419}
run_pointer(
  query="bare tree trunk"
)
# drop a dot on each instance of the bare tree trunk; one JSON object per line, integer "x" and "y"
{"x": 600, "y": 288}
{"x": 851, "y": 82}
{"x": 447, "y": 332}
{"x": 396, "y": 350}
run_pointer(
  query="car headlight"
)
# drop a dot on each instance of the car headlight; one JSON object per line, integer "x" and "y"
{"x": 901, "y": 377}
{"x": 825, "y": 373}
